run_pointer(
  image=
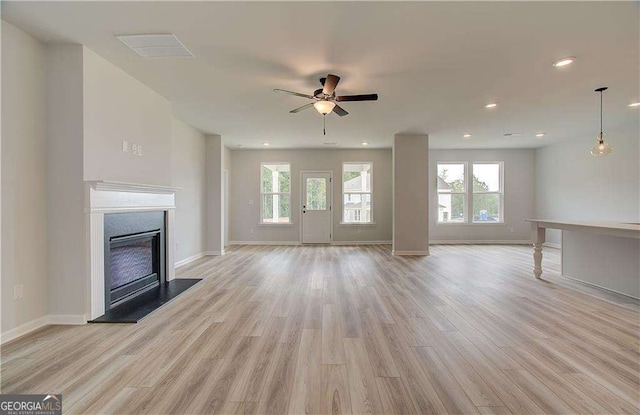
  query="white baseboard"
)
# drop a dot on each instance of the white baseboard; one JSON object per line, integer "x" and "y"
{"x": 410, "y": 253}
{"x": 185, "y": 261}
{"x": 361, "y": 243}
{"x": 292, "y": 243}
{"x": 68, "y": 319}
{"x": 264, "y": 243}
{"x": 33, "y": 325}
{"x": 213, "y": 253}
{"x": 481, "y": 242}
{"x": 552, "y": 245}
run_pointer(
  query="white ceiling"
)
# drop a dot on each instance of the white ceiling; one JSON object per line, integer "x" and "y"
{"x": 434, "y": 66}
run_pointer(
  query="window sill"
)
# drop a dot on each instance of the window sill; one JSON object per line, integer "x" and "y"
{"x": 470, "y": 223}
{"x": 357, "y": 224}
{"x": 266, "y": 224}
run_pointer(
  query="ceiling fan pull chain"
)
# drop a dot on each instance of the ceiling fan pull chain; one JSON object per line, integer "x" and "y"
{"x": 324, "y": 124}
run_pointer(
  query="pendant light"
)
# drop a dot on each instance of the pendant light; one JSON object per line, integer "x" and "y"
{"x": 601, "y": 148}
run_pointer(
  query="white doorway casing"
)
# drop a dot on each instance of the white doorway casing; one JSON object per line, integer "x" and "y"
{"x": 316, "y": 223}
{"x": 115, "y": 197}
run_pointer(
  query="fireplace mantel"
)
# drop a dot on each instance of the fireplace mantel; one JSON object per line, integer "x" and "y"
{"x": 112, "y": 197}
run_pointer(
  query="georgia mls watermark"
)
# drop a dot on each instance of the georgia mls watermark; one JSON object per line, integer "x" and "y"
{"x": 31, "y": 404}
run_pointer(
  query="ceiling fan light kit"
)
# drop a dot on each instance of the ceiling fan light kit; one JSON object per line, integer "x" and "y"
{"x": 325, "y": 98}
{"x": 324, "y": 107}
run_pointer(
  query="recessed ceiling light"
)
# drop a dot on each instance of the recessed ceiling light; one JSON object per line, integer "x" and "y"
{"x": 266, "y": 144}
{"x": 491, "y": 105}
{"x": 364, "y": 143}
{"x": 466, "y": 135}
{"x": 540, "y": 134}
{"x": 635, "y": 104}
{"x": 564, "y": 61}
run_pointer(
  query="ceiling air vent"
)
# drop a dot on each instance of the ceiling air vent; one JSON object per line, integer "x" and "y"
{"x": 156, "y": 46}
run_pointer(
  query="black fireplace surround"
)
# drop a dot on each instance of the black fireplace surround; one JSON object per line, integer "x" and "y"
{"x": 134, "y": 253}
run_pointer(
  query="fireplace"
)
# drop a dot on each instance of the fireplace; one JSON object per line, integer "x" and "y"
{"x": 134, "y": 255}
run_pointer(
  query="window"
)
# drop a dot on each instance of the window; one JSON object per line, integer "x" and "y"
{"x": 487, "y": 192}
{"x": 356, "y": 192}
{"x": 275, "y": 193}
{"x": 451, "y": 192}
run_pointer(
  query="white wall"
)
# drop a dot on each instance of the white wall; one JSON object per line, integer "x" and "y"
{"x": 24, "y": 204}
{"x": 188, "y": 170}
{"x": 118, "y": 107}
{"x": 519, "y": 197}
{"x": 245, "y": 187}
{"x": 66, "y": 216}
{"x": 573, "y": 185}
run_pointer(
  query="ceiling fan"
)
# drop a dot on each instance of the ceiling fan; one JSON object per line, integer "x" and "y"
{"x": 325, "y": 98}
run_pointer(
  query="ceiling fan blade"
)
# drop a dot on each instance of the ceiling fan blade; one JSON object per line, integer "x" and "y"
{"x": 340, "y": 111}
{"x": 293, "y": 93}
{"x": 366, "y": 97}
{"x": 330, "y": 84}
{"x": 304, "y": 107}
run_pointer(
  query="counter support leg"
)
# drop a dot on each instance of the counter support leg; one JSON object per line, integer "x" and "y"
{"x": 537, "y": 260}
{"x": 538, "y": 240}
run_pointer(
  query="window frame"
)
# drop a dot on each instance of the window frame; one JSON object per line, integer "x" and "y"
{"x": 500, "y": 193}
{"x": 343, "y": 210}
{"x": 464, "y": 193}
{"x": 261, "y": 221}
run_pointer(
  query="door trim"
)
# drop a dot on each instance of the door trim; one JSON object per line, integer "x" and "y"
{"x": 303, "y": 197}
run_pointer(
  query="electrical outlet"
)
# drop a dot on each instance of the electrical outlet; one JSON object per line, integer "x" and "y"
{"x": 134, "y": 149}
{"x": 250, "y": 202}
{"x": 125, "y": 146}
{"x": 251, "y": 230}
{"x": 511, "y": 229}
{"x": 359, "y": 230}
{"x": 139, "y": 150}
{"x": 18, "y": 292}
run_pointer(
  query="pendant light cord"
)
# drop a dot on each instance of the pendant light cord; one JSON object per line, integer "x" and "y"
{"x": 601, "y": 115}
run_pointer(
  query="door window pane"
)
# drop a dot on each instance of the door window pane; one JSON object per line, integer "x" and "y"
{"x": 316, "y": 193}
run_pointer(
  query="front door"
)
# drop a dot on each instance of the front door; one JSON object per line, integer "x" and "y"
{"x": 316, "y": 207}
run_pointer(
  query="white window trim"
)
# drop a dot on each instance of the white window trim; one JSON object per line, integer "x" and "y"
{"x": 260, "y": 219}
{"x": 464, "y": 193}
{"x": 342, "y": 210}
{"x": 468, "y": 194}
{"x": 499, "y": 193}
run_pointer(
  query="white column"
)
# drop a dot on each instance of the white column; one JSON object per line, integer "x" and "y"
{"x": 411, "y": 194}
{"x": 215, "y": 212}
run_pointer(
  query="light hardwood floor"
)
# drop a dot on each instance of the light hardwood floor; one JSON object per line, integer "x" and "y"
{"x": 279, "y": 330}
